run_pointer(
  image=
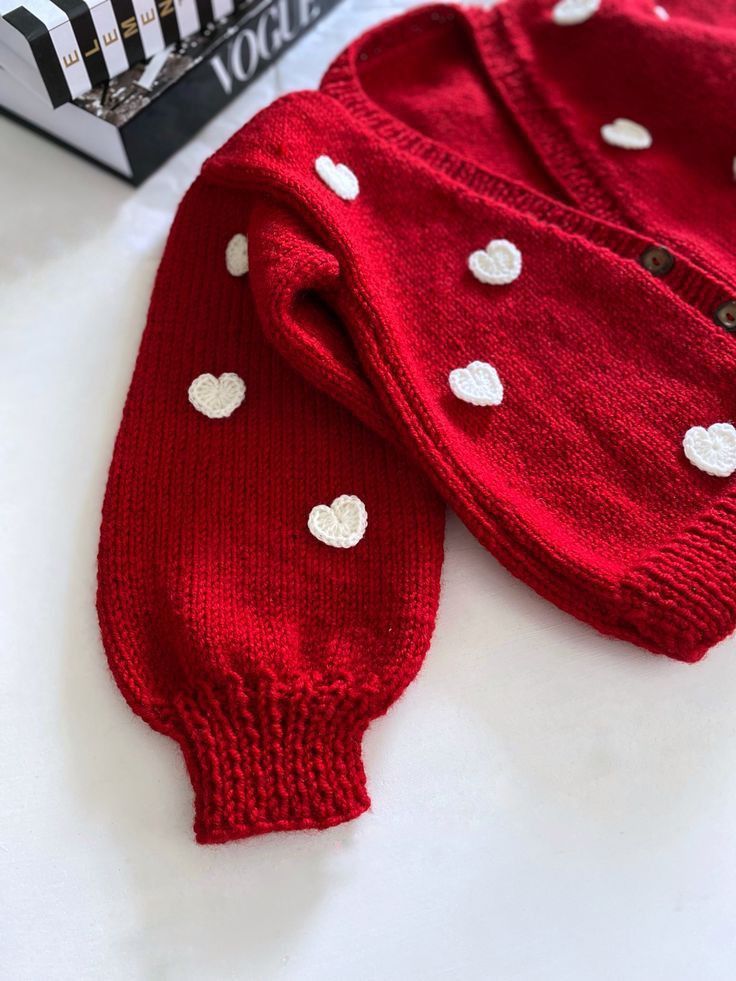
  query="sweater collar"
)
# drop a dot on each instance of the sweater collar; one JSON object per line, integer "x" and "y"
{"x": 503, "y": 50}
{"x": 544, "y": 77}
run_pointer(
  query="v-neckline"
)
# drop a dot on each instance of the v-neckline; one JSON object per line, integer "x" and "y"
{"x": 597, "y": 204}
{"x": 498, "y": 47}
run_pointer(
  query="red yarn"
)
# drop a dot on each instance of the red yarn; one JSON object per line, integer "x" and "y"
{"x": 266, "y": 653}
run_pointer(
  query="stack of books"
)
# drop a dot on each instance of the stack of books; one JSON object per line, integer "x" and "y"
{"x": 127, "y": 82}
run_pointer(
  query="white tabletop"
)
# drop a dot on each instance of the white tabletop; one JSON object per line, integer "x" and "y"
{"x": 547, "y": 803}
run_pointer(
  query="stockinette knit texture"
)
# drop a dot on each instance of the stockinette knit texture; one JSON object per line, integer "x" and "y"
{"x": 488, "y": 263}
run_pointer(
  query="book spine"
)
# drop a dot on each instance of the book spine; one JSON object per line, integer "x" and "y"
{"x": 37, "y": 35}
{"x": 205, "y": 12}
{"x": 222, "y": 8}
{"x": 187, "y": 17}
{"x": 129, "y": 33}
{"x": 109, "y": 36}
{"x": 149, "y": 26}
{"x": 88, "y": 43}
{"x": 67, "y": 47}
{"x": 168, "y": 22}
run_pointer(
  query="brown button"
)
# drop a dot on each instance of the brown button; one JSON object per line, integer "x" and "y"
{"x": 726, "y": 316}
{"x": 657, "y": 260}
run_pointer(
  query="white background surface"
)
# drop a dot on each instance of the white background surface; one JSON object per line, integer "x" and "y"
{"x": 547, "y": 803}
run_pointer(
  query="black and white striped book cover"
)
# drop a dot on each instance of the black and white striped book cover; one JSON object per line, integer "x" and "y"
{"x": 135, "y": 122}
{"x": 50, "y": 37}
{"x": 77, "y": 44}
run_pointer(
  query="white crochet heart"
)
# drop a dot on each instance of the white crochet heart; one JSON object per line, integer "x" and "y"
{"x": 712, "y": 450}
{"x": 569, "y": 12}
{"x": 338, "y": 177}
{"x": 627, "y": 135}
{"x": 499, "y": 263}
{"x": 341, "y": 524}
{"x": 236, "y": 255}
{"x": 477, "y": 384}
{"x": 217, "y": 398}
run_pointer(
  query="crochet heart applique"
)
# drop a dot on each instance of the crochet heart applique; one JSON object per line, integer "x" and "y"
{"x": 217, "y": 398}
{"x": 499, "y": 263}
{"x": 236, "y": 255}
{"x": 341, "y": 524}
{"x": 477, "y": 384}
{"x": 338, "y": 177}
{"x": 627, "y": 135}
{"x": 569, "y": 12}
{"x": 712, "y": 450}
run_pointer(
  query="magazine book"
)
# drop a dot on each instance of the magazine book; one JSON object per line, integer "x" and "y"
{"x": 134, "y": 122}
{"x": 61, "y": 49}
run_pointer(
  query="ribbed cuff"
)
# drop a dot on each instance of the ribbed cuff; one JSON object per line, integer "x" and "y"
{"x": 266, "y": 758}
{"x": 682, "y": 600}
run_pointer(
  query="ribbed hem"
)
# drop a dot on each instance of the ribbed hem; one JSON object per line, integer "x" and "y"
{"x": 682, "y": 600}
{"x": 263, "y": 758}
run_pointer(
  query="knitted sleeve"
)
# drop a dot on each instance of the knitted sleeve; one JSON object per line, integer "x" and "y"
{"x": 268, "y": 565}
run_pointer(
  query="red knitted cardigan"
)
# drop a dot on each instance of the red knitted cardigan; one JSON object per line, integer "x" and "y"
{"x": 488, "y": 263}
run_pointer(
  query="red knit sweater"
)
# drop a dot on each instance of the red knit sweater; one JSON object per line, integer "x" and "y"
{"x": 489, "y": 263}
